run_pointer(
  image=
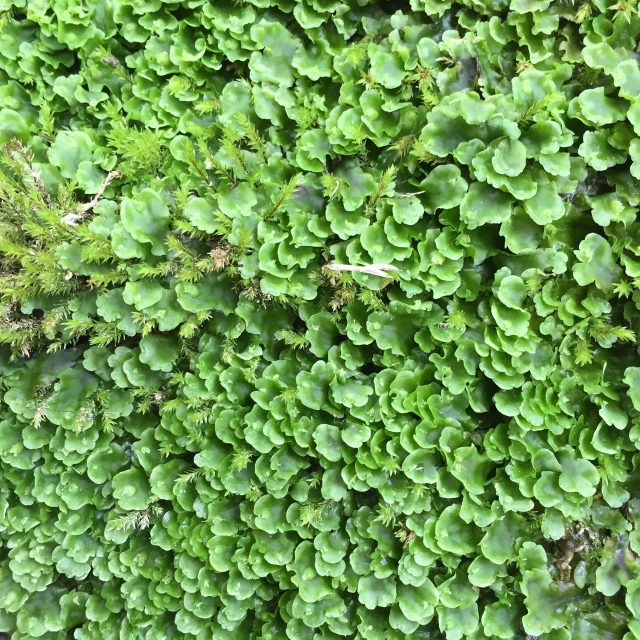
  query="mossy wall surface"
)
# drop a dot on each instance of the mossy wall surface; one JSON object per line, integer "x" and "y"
{"x": 318, "y": 320}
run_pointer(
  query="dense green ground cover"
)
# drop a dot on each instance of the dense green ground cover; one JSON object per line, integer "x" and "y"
{"x": 206, "y": 432}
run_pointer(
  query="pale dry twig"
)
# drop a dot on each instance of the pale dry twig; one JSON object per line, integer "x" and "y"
{"x": 73, "y": 218}
{"x": 371, "y": 269}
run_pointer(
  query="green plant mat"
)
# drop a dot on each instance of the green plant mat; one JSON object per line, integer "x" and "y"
{"x": 318, "y": 320}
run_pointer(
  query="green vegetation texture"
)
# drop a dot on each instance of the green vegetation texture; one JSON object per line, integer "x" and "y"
{"x": 318, "y": 320}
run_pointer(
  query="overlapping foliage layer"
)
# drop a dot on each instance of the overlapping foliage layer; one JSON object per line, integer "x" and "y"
{"x": 206, "y": 433}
